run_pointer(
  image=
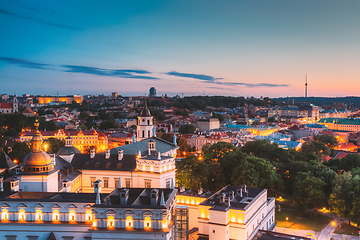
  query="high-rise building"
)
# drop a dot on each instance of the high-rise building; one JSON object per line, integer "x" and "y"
{"x": 152, "y": 92}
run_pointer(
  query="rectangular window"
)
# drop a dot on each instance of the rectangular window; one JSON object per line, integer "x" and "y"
{"x": 147, "y": 183}
{"x": 127, "y": 183}
{"x": 168, "y": 183}
{"x": 32, "y": 237}
{"x": 10, "y": 237}
{"x": 92, "y": 180}
{"x": 116, "y": 182}
{"x": 106, "y": 182}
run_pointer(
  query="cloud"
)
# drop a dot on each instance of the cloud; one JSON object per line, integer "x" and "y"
{"x": 201, "y": 77}
{"x": 23, "y": 63}
{"x": 210, "y": 79}
{"x": 5, "y": 12}
{"x": 123, "y": 73}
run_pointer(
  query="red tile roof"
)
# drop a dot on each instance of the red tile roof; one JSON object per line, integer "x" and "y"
{"x": 6, "y": 105}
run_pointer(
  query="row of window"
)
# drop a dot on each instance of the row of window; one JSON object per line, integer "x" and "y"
{"x": 106, "y": 182}
{"x": 39, "y": 216}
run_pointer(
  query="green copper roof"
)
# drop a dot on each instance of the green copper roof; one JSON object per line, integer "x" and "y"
{"x": 133, "y": 149}
{"x": 348, "y": 121}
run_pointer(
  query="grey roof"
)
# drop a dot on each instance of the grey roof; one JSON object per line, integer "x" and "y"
{"x": 68, "y": 151}
{"x": 138, "y": 198}
{"x": 6, "y": 162}
{"x": 83, "y": 161}
{"x": 238, "y": 202}
{"x": 67, "y": 172}
{"x": 133, "y": 149}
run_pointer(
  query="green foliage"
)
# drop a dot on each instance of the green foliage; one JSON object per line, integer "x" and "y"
{"x": 19, "y": 151}
{"x": 329, "y": 140}
{"x": 340, "y": 199}
{"x": 191, "y": 173}
{"x": 166, "y": 136}
{"x": 187, "y": 129}
{"x": 104, "y": 125}
{"x": 54, "y": 145}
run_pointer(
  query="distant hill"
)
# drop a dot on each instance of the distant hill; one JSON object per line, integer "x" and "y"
{"x": 320, "y": 101}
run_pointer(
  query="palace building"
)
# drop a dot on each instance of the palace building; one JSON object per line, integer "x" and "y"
{"x": 81, "y": 140}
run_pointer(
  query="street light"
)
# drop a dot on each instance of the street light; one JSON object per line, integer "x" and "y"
{"x": 287, "y": 219}
{"x": 333, "y": 223}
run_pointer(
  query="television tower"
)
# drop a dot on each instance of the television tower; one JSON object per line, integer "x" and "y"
{"x": 306, "y": 87}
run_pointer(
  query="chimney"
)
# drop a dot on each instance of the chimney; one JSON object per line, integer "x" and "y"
{"x": 139, "y": 154}
{"x": 1, "y": 184}
{"x": 182, "y": 189}
{"x": 159, "y": 156}
{"x": 98, "y": 200}
{"x": 227, "y": 202}
{"x": 231, "y": 195}
{"x": 244, "y": 188}
{"x": 200, "y": 191}
{"x": 14, "y": 185}
{"x": 119, "y": 183}
{"x": 92, "y": 153}
{"x": 107, "y": 153}
{"x": 97, "y": 186}
{"x": 239, "y": 192}
{"x": 222, "y": 197}
{"x": 120, "y": 154}
{"x": 154, "y": 195}
{"x": 124, "y": 196}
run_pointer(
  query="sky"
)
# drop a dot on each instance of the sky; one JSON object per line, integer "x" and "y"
{"x": 188, "y": 47}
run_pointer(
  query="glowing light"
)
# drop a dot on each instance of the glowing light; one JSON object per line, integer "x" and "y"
{"x": 56, "y": 216}
{"x": 151, "y": 168}
{"x": 111, "y": 222}
{"x": 324, "y": 209}
{"x": 72, "y": 215}
{"x": 164, "y": 223}
{"x": 192, "y": 202}
{"x": 15, "y": 161}
{"x": 45, "y": 147}
{"x": 147, "y": 223}
{"x": 88, "y": 216}
{"x": 144, "y": 168}
{"x": 287, "y": 219}
{"x": 4, "y": 215}
{"x": 200, "y": 158}
{"x": 129, "y": 222}
{"x": 280, "y": 198}
{"x": 94, "y": 223}
{"x": 38, "y": 215}
{"x": 22, "y": 215}
{"x": 333, "y": 223}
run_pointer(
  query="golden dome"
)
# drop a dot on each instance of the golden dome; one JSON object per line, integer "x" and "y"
{"x": 37, "y": 159}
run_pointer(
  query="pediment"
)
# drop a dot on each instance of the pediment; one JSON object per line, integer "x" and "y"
{"x": 147, "y": 213}
{"x": 87, "y": 206}
{"x": 72, "y": 206}
{"x": 38, "y": 206}
{"x": 5, "y": 205}
{"x": 129, "y": 212}
{"x": 164, "y": 214}
{"x": 21, "y": 205}
{"x": 56, "y": 206}
{"x": 110, "y": 212}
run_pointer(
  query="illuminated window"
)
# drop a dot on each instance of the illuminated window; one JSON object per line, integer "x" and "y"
{"x": 38, "y": 215}
{"x": 164, "y": 223}
{"x": 110, "y": 222}
{"x": 144, "y": 167}
{"x": 22, "y": 215}
{"x": 147, "y": 183}
{"x": 5, "y": 215}
{"x": 129, "y": 222}
{"x": 92, "y": 180}
{"x": 72, "y": 216}
{"x": 151, "y": 168}
{"x": 127, "y": 183}
{"x": 147, "y": 223}
{"x": 88, "y": 216}
{"x": 56, "y": 216}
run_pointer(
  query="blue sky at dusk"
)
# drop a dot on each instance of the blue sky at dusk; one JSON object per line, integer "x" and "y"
{"x": 237, "y": 48}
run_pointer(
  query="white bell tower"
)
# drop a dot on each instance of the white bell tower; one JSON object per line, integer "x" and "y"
{"x": 145, "y": 124}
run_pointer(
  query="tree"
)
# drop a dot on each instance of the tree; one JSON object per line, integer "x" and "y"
{"x": 166, "y": 136}
{"x": 191, "y": 173}
{"x": 329, "y": 140}
{"x": 104, "y": 125}
{"x": 19, "y": 151}
{"x": 254, "y": 172}
{"x": 341, "y": 199}
{"x": 308, "y": 191}
{"x": 53, "y": 145}
{"x": 187, "y": 129}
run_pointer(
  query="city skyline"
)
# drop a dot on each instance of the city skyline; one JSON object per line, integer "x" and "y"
{"x": 257, "y": 48}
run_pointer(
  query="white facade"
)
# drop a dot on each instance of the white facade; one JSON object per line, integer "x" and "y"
{"x": 39, "y": 183}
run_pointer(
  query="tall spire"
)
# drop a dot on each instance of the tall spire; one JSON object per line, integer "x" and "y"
{"x": 306, "y": 84}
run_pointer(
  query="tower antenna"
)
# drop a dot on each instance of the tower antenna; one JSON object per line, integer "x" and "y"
{"x": 306, "y": 84}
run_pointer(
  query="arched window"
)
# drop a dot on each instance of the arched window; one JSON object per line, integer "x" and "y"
{"x": 147, "y": 223}
{"x": 110, "y": 222}
{"x": 4, "y": 215}
{"x": 38, "y": 215}
{"x": 129, "y": 222}
{"x": 143, "y": 133}
{"x": 22, "y": 215}
{"x": 148, "y": 122}
{"x": 148, "y": 133}
{"x": 164, "y": 223}
{"x": 88, "y": 216}
{"x": 56, "y": 216}
{"x": 72, "y": 216}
